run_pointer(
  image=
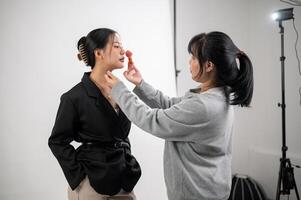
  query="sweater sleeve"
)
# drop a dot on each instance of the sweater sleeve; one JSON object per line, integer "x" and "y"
{"x": 153, "y": 97}
{"x": 176, "y": 123}
{"x": 59, "y": 142}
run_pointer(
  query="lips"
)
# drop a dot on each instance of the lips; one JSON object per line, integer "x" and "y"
{"x": 121, "y": 59}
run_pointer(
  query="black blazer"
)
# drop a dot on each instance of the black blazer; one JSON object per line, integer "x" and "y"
{"x": 86, "y": 116}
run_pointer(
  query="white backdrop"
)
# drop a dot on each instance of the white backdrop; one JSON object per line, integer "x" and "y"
{"x": 38, "y": 63}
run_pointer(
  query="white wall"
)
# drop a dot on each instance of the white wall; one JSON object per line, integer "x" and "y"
{"x": 38, "y": 63}
{"x": 257, "y": 135}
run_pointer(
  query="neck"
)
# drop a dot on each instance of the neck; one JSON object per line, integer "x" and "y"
{"x": 98, "y": 75}
{"x": 207, "y": 85}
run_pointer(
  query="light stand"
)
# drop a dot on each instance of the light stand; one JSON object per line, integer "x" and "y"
{"x": 286, "y": 179}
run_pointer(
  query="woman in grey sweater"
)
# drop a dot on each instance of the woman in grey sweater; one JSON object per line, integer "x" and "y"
{"x": 197, "y": 128}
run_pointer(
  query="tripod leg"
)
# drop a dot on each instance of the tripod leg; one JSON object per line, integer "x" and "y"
{"x": 295, "y": 186}
{"x": 297, "y": 193}
{"x": 279, "y": 181}
{"x": 292, "y": 179}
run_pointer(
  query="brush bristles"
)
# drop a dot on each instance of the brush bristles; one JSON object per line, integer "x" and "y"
{"x": 82, "y": 53}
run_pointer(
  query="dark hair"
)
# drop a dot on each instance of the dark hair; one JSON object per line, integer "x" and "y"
{"x": 218, "y": 48}
{"x": 96, "y": 39}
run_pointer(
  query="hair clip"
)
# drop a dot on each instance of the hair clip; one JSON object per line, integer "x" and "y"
{"x": 79, "y": 57}
{"x": 82, "y": 54}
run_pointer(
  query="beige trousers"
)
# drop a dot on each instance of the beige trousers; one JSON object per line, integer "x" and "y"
{"x": 85, "y": 192}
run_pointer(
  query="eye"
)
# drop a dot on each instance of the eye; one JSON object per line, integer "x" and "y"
{"x": 118, "y": 46}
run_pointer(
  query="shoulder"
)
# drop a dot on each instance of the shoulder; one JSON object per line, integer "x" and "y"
{"x": 213, "y": 96}
{"x": 74, "y": 93}
{"x": 211, "y": 102}
{"x": 215, "y": 102}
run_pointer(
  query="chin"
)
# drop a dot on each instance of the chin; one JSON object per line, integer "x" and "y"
{"x": 196, "y": 80}
{"x": 121, "y": 65}
{"x": 118, "y": 67}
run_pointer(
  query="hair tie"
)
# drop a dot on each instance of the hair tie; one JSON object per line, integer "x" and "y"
{"x": 240, "y": 53}
{"x": 82, "y": 54}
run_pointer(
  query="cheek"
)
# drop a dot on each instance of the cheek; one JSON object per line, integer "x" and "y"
{"x": 195, "y": 67}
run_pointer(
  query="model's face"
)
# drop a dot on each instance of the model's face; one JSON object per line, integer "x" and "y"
{"x": 114, "y": 53}
{"x": 194, "y": 68}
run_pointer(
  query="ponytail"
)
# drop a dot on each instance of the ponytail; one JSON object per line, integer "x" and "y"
{"x": 218, "y": 48}
{"x": 242, "y": 86}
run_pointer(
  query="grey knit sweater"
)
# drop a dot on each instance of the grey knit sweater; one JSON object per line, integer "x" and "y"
{"x": 197, "y": 129}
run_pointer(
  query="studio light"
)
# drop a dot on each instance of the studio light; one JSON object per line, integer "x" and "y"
{"x": 283, "y": 14}
{"x": 286, "y": 179}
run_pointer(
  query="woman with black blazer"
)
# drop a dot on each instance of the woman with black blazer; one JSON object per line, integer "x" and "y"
{"x": 102, "y": 167}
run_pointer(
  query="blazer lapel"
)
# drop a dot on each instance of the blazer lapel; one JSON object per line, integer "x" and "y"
{"x": 100, "y": 101}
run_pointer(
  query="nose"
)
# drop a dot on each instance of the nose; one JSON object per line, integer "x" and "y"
{"x": 122, "y": 52}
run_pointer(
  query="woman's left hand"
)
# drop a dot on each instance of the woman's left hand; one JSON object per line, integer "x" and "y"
{"x": 111, "y": 80}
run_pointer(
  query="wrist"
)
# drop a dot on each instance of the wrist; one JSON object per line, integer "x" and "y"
{"x": 138, "y": 83}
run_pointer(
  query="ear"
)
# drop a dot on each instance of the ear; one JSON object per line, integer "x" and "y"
{"x": 209, "y": 66}
{"x": 99, "y": 53}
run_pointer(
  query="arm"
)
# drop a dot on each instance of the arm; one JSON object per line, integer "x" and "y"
{"x": 154, "y": 98}
{"x": 176, "y": 123}
{"x": 59, "y": 142}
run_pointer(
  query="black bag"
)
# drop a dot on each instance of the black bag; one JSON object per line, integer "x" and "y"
{"x": 246, "y": 188}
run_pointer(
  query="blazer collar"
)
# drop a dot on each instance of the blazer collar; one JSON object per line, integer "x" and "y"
{"x": 91, "y": 88}
{"x": 103, "y": 104}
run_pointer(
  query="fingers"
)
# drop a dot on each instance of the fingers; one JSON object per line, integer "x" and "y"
{"x": 125, "y": 74}
{"x": 130, "y": 66}
{"x": 135, "y": 68}
{"x": 107, "y": 88}
{"x": 110, "y": 78}
{"x": 110, "y": 74}
{"x": 129, "y": 74}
